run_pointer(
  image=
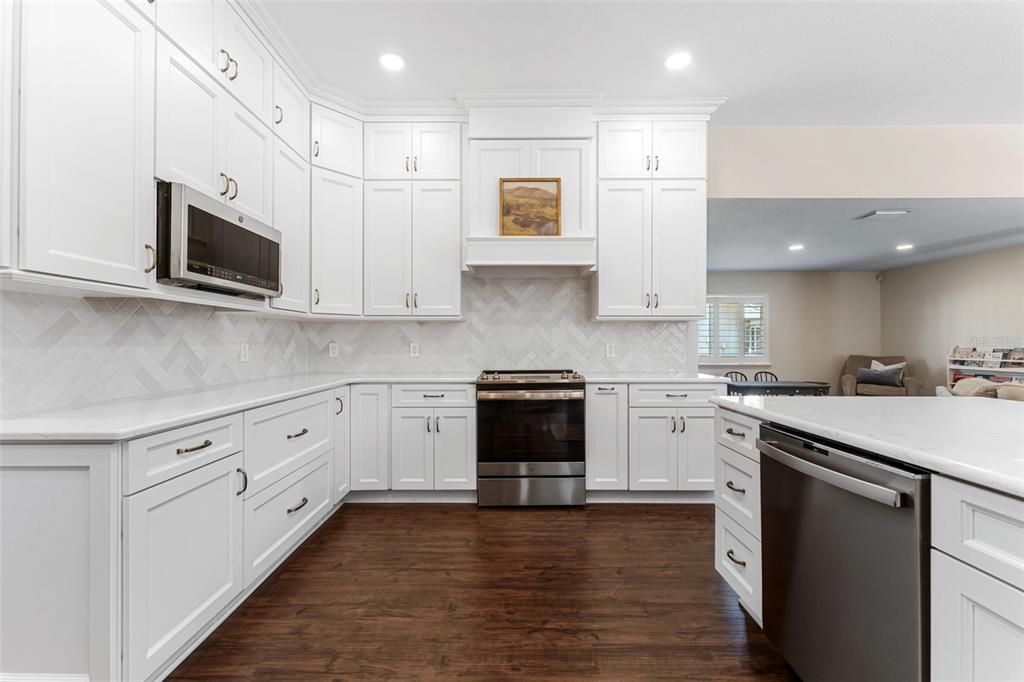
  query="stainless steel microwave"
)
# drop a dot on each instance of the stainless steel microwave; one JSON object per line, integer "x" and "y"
{"x": 203, "y": 243}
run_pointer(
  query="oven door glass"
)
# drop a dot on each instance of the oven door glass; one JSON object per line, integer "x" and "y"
{"x": 530, "y": 430}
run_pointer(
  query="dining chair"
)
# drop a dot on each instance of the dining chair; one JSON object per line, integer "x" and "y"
{"x": 736, "y": 376}
{"x": 765, "y": 376}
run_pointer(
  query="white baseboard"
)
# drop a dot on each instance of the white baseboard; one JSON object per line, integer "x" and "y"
{"x": 645, "y": 497}
{"x": 407, "y": 496}
{"x": 44, "y": 677}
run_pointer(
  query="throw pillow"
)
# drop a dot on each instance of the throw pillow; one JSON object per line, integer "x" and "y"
{"x": 1010, "y": 392}
{"x": 975, "y": 388}
{"x": 880, "y": 377}
{"x": 875, "y": 364}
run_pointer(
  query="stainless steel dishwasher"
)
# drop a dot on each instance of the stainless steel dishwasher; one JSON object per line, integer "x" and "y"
{"x": 845, "y": 553}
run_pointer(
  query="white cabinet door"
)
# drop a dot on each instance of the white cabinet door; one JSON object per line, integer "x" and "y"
{"x": 653, "y": 448}
{"x": 455, "y": 448}
{"x": 183, "y": 560}
{"x": 336, "y": 258}
{"x": 87, "y": 121}
{"x": 624, "y": 149}
{"x": 388, "y": 151}
{"x": 7, "y": 104}
{"x": 250, "y": 72}
{"x": 291, "y": 218}
{"x": 489, "y": 161}
{"x": 387, "y": 248}
{"x": 189, "y": 122}
{"x": 249, "y": 162}
{"x": 341, "y": 464}
{"x": 337, "y": 142}
{"x": 412, "y": 448}
{"x": 369, "y": 438}
{"x": 436, "y": 248}
{"x": 607, "y": 437}
{"x": 680, "y": 149}
{"x": 436, "y": 151}
{"x": 977, "y": 624}
{"x": 679, "y": 273}
{"x": 197, "y": 27}
{"x": 624, "y": 248}
{"x": 570, "y": 160}
{"x": 291, "y": 112}
{"x": 696, "y": 449}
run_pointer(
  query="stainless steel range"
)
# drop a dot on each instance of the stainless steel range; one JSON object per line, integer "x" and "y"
{"x": 530, "y": 438}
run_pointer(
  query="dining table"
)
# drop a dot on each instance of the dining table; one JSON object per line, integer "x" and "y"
{"x": 814, "y": 388}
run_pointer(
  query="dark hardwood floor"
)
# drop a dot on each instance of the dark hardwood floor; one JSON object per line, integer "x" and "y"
{"x": 452, "y": 591}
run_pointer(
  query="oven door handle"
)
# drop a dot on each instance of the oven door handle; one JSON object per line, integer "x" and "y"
{"x": 871, "y": 491}
{"x": 530, "y": 395}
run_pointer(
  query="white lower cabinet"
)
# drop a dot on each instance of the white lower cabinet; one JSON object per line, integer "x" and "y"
{"x": 283, "y": 436}
{"x": 433, "y": 448}
{"x": 977, "y": 624}
{"x": 276, "y": 518}
{"x": 183, "y": 561}
{"x": 341, "y": 472}
{"x": 671, "y": 448}
{"x": 738, "y": 560}
{"x": 369, "y": 437}
{"x": 696, "y": 449}
{"x": 607, "y": 423}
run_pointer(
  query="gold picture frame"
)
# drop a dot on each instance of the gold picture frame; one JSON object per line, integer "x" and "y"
{"x": 530, "y": 207}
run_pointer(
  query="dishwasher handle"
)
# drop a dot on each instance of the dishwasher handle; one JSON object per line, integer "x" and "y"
{"x": 871, "y": 491}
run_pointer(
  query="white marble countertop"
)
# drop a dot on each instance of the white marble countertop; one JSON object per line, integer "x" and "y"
{"x": 131, "y": 418}
{"x": 653, "y": 378}
{"x": 978, "y": 440}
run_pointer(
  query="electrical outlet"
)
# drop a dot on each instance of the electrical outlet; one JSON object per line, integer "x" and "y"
{"x": 414, "y": 350}
{"x": 243, "y": 353}
{"x": 332, "y": 349}
{"x": 609, "y": 350}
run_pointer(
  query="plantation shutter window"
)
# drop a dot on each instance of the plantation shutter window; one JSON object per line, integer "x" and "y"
{"x": 735, "y": 331}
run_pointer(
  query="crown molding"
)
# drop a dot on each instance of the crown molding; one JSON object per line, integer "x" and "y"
{"x": 688, "y": 106}
{"x": 529, "y": 98}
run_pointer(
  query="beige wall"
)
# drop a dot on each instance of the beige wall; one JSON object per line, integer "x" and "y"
{"x": 866, "y": 161}
{"x": 975, "y": 300}
{"x": 815, "y": 319}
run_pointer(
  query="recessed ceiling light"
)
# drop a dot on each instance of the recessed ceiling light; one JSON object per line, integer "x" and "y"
{"x": 904, "y": 247}
{"x": 796, "y": 247}
{"x": 678, "y": 60}
{"x": 392, "y": 62}
{"x": 884, "y": 213}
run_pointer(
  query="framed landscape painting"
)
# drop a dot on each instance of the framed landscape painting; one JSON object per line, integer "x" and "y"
{"x": 530, "y": 207}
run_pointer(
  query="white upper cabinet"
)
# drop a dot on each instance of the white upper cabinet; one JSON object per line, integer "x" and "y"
{"x": 247, "y": 66}
{"x": 197, "y": 27}
{"x": 336, "y": 257}
{"x": 679, "y": 274}
{"x": 387, "y": 251}
{"x": 436, "y": 248}
{"x": 291, "y": 112}
{"x": 87, "y": 144}
{"x": 607, "y": 424}
{"x": 624, "y": 248}
{"x": 403, "y": 151}
{"x": 337, "y": 142}
{"x": 572, "y": 162}
{"x": 190, "y": 107}
{"x": 249, "y": 163}
{"x": 6, "y": 133}
{"x": 491, "y": 160}
{"x": 645, "y": 149}
{"x": 291, "y": 218}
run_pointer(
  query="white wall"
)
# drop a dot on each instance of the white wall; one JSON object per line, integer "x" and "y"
{"x": 815, "y": 319}
{"x": 975, "y": 300}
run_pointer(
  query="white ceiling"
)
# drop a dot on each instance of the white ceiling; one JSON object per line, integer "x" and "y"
{"x": 777, "y": 62}
{"x": 754, "y": 234}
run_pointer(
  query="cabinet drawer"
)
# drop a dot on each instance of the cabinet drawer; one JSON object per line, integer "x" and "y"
{"x": 982, "y": 528}
{"x": 155, "y": 459}
{"x": 284, "y": 436}
{"x": 277, "y": 517}
{"x": 673, "y": 395}
{"x": 738, "y": 489}
{"x": 433, "y": 395}
{"x": 738, "y": 560}
{"x": 737, "y": 432}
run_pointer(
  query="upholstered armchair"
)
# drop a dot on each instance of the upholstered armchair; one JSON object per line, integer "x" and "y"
{"x": 848, "y": 379}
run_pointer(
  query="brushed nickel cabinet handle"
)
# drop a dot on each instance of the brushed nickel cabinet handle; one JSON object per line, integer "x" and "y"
{"x": 416, "y": 300}
{"x": 732, "y": 486}
{"x": 227, "y": 184}
{"x": 648, "y": 162}
{"x": 415, "y": 164}
{"x": 407, "y": 300}
{"x": 235, "y": 74}
{"x": 731, "y": 432}
{"x": 232, "y": 181}
{"x": 195, "y": 448}
{"x": 682, "y": 425}
{"x": 648, "y": 303}
{"x": 300, "y": 505}
{"x": 152, "y": 263}
{"x": 610, "y": 389}
{"x": 656, "y": 162}
{"x": 673, "y": 425}
{"x": 437, "y": 424}
{"x": 341, "y": 405}
{"x": 316, "y": 149}
{"x": 407, "y": 164}
{"x": 428, "y": 424}
{"x": 245, "y": 480}
{"x": 227, "y": 64}
{"x": 301, "y": 433}
{"x": 433, "y": 395}
{"x": 676, "y": 395}
{"x": 316, "y": 297}
{"x": 280, "y": 114}
{"x": 733, "y": 559}
{"x": 655, "y": 300}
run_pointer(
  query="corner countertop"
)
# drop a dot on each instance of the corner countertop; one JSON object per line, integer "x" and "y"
{"x": 653, "y": 378}
{"x": 978, "y": 440}
{"x": 125, "y": 419}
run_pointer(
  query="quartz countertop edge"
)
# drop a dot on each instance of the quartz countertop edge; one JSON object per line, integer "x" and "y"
{"x": 121, "y": 420}
{"x": 977, "y": 440}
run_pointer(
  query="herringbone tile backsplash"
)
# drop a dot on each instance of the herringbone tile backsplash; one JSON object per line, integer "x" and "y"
{"x": 57, "y": 351}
